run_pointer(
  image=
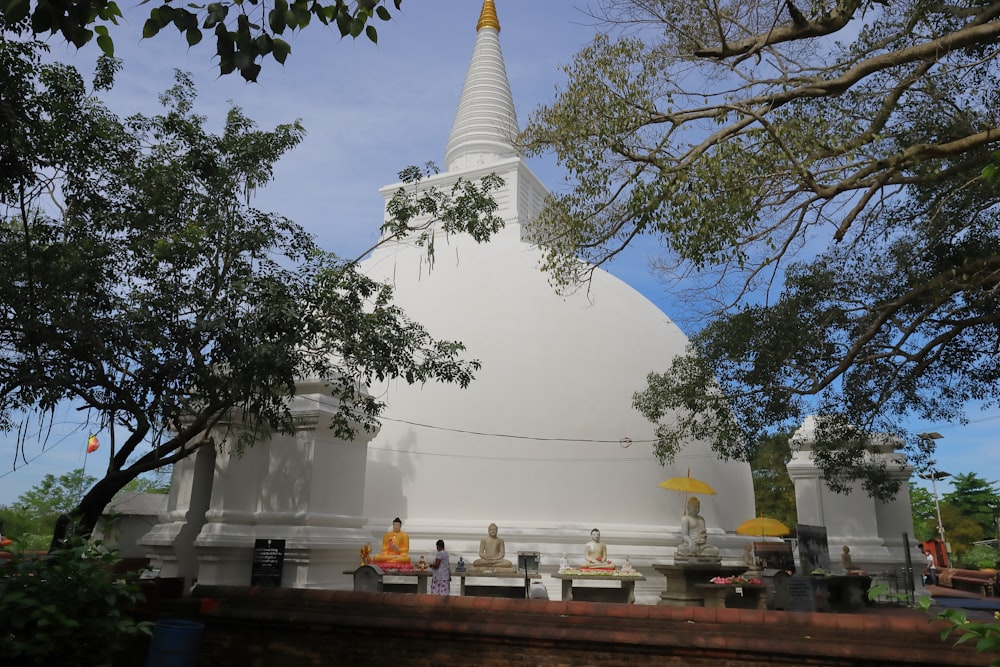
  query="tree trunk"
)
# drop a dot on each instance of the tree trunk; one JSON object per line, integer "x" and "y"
{"x": 80, "y": 523}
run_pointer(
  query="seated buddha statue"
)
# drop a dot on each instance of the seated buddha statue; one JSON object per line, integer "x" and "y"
{"x": 847, "y": 561}
{"x": 395, "y": 545}
{"x": 694, "y": 534}
{"x": 596, "y": 552}
{"x": 492, "y": 551}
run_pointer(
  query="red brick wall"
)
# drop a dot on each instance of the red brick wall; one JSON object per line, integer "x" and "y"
{"x": 294, "y": 627}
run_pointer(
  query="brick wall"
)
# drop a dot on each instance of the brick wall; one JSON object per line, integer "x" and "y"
{"x": 299, "y": 628}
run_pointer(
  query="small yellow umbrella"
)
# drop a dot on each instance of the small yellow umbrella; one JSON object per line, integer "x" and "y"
{"x": 763, "y": 526}
{"x": 687, "y": 485}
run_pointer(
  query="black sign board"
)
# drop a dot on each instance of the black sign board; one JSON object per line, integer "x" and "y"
{"x": 775, "y": 555}
{"x": 800, "y": 594}
{"x": 268, "y": 561}
{"x": 814, "y": 552}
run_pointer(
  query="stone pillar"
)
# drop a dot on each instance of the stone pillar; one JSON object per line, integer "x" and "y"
{"x": 170, "y": 543}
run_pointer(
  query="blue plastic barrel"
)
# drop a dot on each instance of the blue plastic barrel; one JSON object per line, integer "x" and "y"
{"x": 175, "y": 643}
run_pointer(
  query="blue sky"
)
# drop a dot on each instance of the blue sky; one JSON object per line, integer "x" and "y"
{"x": 369, "y": 111}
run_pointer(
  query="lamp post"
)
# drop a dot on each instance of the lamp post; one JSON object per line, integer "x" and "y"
{"x": 934, "y": 476}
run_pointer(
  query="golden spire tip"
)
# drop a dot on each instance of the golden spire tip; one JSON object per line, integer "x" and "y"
{"x": 488, "y": 17}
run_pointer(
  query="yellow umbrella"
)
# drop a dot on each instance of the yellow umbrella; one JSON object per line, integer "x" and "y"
{"x": 687, "y": 485}
{"x": 762, "y": 526}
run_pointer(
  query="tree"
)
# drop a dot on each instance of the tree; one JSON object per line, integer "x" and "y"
{"x": 831, "y": 204}
{"x": 156, "y": 483}
{"x": 924, "y": 513}
{"x": 773, "y": 489}
{"x": 975, "y": 499}
{"x": 30, "y": 520}
{"x": 156, "y": 299}
{"x": 245, "y": 32}
{"x": 960, "y": 530}
{"x": 54, "y": 496}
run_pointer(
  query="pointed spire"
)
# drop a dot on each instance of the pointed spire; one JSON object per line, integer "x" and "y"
{"x": 485, "y": 123}
{"x": 488, "y": 17}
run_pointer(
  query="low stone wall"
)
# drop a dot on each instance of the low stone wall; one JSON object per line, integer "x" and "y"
{"x": 296, "y": 627}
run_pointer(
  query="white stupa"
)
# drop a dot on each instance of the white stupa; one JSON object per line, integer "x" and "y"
{"x": 544, "y": 443}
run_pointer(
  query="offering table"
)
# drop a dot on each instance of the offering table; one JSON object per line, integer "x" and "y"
{"x": 754, "y": 596}
{"x": 624, "y": 592}
{"x": 372, "y": 578}
{"x": 500, "y": 590}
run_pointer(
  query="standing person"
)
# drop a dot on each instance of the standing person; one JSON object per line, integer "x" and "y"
{"x": 931, "y": 568}
{"x": 441, "y": 575}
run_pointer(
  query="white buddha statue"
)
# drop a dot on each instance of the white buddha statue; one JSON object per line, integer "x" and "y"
{"x": 694, "y": 534}
{"x": 596, "y": 552}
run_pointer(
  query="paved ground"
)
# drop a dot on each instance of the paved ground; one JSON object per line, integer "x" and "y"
{"x": 976, "y": 606}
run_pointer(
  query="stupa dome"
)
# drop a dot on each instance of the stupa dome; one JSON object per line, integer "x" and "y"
{"x": 545, "y": 441}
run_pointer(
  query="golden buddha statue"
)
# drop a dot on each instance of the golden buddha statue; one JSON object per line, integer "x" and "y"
{"x": 395, "y": 545}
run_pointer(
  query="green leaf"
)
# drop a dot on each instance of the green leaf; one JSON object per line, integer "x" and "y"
{"x": 250, "y": 72}
{"x": 150, "y": 28}
{"x": 372, "y": 33}
{"x": 110, "y": 12}
{"x": 193, "y": 36}
{"x": 276, "y": 18}
{"x": 383, "y": 13}
{"x": 104, "y": 41}
{"x": 16, "y": 10}
{"x": 263, "y": 44}
{"x": 184, "y": 20}
{"x": 302, "y": 16}
{"x": 344, "y": 24}
{"x": 217, "y": 13}
{"x": 280, "y": 49}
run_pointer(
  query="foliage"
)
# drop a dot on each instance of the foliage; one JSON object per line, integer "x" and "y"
{"x": 245, "y": 32}
{"x": 30, "y": 520}
{"x": 985, "y": 634}
{"x": 962, "y": 531}
{"x": 773, "y": 489}
{"x": 154, "y": 483}
{"x": 54, "y": 496}
{"x": 143, "y": 287}
{"x": 924, "y": 513}
{"x": 976, "y": 499}
{"x": 65, "y": 608}
{"x": 978, "y": 556}
{"x": 773, "y": 164}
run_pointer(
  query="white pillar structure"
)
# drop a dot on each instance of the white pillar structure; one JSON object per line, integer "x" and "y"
{"x": 306, "y": 489}
{"x": 170, "y": 543}
{"x": 873, "y": 529}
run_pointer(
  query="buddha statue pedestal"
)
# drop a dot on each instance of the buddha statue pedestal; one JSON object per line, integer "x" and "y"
{"x": 683, "y": 579}
{"x": 491, "y": 570}
{"x": 697, "y": 560}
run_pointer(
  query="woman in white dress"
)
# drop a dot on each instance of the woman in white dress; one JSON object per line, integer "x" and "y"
{"x": 441, "y": 575}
